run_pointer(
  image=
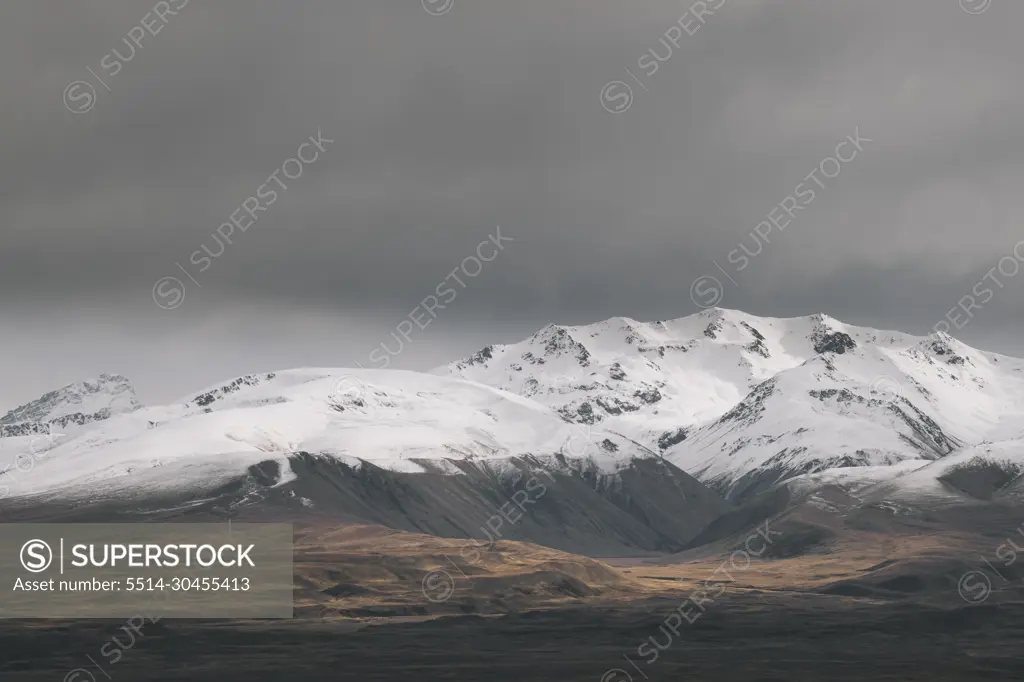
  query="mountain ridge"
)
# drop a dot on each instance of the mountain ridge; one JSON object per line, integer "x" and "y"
{"x": 743, "y": 404}
{"x": 709, "y": 391}
{"x": 77, "y": 403}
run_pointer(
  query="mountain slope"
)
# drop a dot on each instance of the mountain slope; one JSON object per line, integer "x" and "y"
{"x": 990, "y": 471}
{"x": 612, "y": 420}
{"x": 407, "y": 450}
{"x": 407, "y": 422}
{"x": 651, "y": 379}
{"x": 743, "y": 402}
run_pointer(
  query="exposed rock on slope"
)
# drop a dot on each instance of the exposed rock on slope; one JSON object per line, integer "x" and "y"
{"x": 742, "y": 402}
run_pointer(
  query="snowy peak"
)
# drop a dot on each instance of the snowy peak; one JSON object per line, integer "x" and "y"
{"x": 558, "y": 342}
{"x": 651, "y": 382}
{"x": 394, "y": 420}
{"x": 79, "y": 403}
{"x": 826, "y": 338}
{"x": 941, "y": 347}
{"x": 743, "y": 401}
{"x": 218, "y": 394}
{"x": 700, "y": 365}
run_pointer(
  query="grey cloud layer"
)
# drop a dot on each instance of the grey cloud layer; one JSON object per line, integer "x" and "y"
{"x": 447, "y": 126}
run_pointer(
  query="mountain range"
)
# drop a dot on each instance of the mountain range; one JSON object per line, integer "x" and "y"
{"x": 743, "y": 402}
{"x": 615, "y": 438}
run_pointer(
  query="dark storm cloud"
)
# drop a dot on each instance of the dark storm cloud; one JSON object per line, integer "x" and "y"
{"x": 447, "y": 126}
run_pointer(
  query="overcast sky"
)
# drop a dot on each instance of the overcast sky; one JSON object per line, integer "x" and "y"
{"x": 449, "y": 119}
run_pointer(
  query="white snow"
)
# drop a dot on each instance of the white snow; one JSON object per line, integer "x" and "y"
{"x": 925, "y": 481}
{"x": 389, "y": 418}
{"x": 891, "y": 398}
{"x": 770, "y": 396}
{"x": 107, "y": 395}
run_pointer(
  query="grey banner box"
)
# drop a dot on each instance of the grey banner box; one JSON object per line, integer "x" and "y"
{"x": 150, "y": 570}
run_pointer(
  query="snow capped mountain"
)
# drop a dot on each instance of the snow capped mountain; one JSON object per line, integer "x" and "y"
{"x": 407, "y": 450}
{"x": 819, "y": 415}
{"x": 743, "y": 402}
{"x": 623, "y": 410}
{"x": 652, "y": 381}
{"x": 81, "y": 403}
{"x": 396, "y": 420}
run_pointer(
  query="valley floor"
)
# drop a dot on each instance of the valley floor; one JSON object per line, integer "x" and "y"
{"x": 761, "y": 637}
{"x": 869, "y": 606}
